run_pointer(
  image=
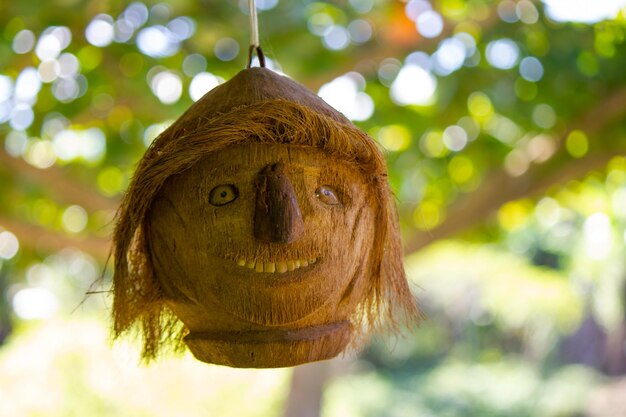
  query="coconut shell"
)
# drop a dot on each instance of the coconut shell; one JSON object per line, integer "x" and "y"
{"x": 254, "y": 85}
{"x": 259, "y": 230}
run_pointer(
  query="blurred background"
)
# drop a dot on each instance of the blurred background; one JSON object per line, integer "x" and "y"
{"x": 503, "y": 123}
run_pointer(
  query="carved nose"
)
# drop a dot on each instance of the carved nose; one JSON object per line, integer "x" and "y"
{"x": 277, "y": 216}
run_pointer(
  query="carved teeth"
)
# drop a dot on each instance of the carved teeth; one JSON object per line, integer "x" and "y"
{"x": 274, "y": 267}
{"x": 281, "y": 267}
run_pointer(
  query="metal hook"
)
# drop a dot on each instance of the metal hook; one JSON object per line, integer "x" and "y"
{"x": 259, "y": 53}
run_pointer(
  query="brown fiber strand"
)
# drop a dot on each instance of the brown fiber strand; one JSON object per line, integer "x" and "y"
{"x": 211, "y": 125}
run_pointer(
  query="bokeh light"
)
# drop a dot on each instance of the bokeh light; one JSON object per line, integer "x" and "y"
{"x": 167, "y": 86}
{"x": 450, "y": 56}
{"x": 68, "y": 65}
{"x": 182, "y": 27}
{"x": 157, "y": 41}
{"x": 461, "y": 169}
{"x": 16, "y": 143}
{"x": 503, "y": 53}
{"x": 6, "y": 88}
{"x": 153, "y": 131}
{"x": 111, "y": 181}
{"x": 5, "y": 111}
{"x": 52, "y": 41}
{"x": 226, "y": 49}
{"x": 431, "y": 144}
{"x": 414, "y": 8}
{"x": 507, "y": 12}
{"x": 598, "y": 235}
{"x": 360, "y": 31}
{"x": 421, "y": 59}
{"x": 73, "y": 144}
{"x": 414, "y": 85}
{"x": 68, "y": 89}
{"x": 395, "y": 138}
{"x": 261, "y": 5}
{"x": 49, "y": 71}
{"x": 194, "y": 64}
{"x": 266, "y": 4}
{"x": 429, "y": 24}
{"x": 480, "y": 106}
{"x": 346, "y": 94}
{"x": 527, "y": 12}
{"x": 23, "y": 42}
{"x": 454, "y": 138}
{"x": 320, "y": 23}
{"x": 202, "y": 83}
{"x": 544, "y": 116}
{"x": 74, "y": 219}
{"x": 100, "y": 31}
{"x": 27, "y": 86}
{"x": 40, "y": 154}
{"x": 35, "y": 303}
{"x": 136, "y": 14}
{"x": 530, "y": 69}
{"x": 122, "y": 31}
{"x": 577, "y": 143}
{"x": 579, "y": 10}
{"x": 22, "y": 117}
{"x": 336, "y": 37}
{"x": 9, "y": 245}
{"x": 502, "y": 127}
{"x": 388, "y": 70}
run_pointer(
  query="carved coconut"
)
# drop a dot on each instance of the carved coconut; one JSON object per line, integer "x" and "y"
{"x": 259, "y": 230}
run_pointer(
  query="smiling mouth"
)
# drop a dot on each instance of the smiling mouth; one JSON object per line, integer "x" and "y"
{"x": 275, "y": 267}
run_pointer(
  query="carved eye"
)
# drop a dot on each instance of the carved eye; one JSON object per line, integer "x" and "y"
{"x": 223, "y": 194}
{"x": 327, "y": 195}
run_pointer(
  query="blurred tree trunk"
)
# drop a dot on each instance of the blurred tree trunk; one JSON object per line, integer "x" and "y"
{"x": 616, "y": 343}
{"x": 587, "y": 345}
{"x": 5, "y": 315}
{"x": 305, "y": 396}
{"x": 307, "y": 386}
{"x": 595, "y": 346}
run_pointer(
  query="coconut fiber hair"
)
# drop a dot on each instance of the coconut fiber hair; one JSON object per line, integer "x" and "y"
{"x": 257, "y": 106}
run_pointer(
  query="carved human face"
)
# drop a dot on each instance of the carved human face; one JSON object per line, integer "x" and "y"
{"x": 263, "y": 236}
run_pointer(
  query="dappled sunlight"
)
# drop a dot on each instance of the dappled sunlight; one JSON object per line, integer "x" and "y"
{"x": 414, "y": 85}
{"x": 476, "y": 285}
{"x": 579, "y": 10}
{"x": 9, "y": 245}
{"x": 68, "y": 365}
{"x": 502, "y": 123}
{"x": 506, "y": 387}
{"x": 346, "y": 95}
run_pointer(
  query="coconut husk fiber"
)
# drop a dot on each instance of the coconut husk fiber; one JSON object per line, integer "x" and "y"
{"x": 259, "y": 230}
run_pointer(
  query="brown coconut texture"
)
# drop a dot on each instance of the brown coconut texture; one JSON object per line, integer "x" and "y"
{"x": 256, "y": 106}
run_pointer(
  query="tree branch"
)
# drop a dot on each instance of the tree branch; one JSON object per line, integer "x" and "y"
{"x": 389, "y": 45}
{"x": 60, "y": 185}
{"x": 38, "y": 237}
{"x": 499, "y": 187}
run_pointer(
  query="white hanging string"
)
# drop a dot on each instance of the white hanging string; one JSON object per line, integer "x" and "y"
{"x": 254, "y": 36}
{"x": 254, "y": 24}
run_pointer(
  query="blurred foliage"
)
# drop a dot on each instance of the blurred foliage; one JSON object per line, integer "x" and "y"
{"x": 503, "y": 125}
{"x": 67, "y": 368}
